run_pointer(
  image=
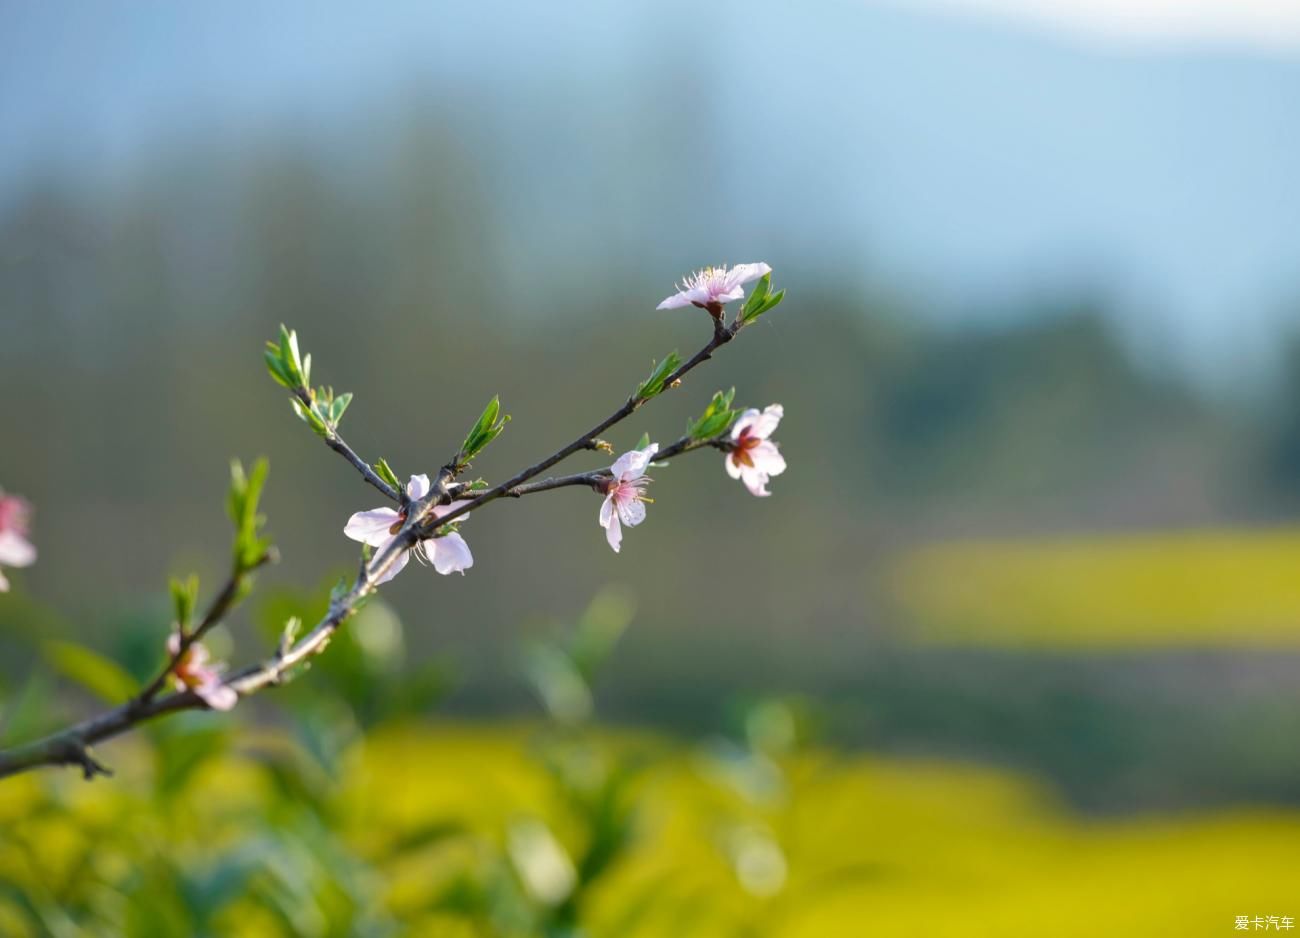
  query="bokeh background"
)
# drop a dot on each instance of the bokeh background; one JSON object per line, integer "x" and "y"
{"x": 1014, "y": 647}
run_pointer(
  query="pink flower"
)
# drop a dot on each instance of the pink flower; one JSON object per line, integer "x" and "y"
{"x": 15, "y": 549}
{"x": 753, "y": 457}
{"x": 448, "y": 554}
{"x": 713, "y": 287}
{"x": 625, "y": 494}
{"x": 194, "y": 673}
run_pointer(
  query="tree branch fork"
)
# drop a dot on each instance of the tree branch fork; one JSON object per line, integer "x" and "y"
{"x": 72, "y": 745}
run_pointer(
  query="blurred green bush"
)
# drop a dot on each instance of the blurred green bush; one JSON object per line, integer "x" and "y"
{"x": 358, "y": 816}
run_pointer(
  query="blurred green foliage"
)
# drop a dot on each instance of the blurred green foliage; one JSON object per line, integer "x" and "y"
{"x": 508, "y": 830}
{"x": 355, "y": 815}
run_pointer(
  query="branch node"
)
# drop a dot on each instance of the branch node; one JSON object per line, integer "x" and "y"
{"x": 72, "y": 751}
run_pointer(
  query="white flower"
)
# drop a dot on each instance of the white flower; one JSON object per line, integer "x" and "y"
{"x": 753, "y": 457}
{"x": 713, "y": 287}
{"x": 625, "y": 494}
{"x": 378, "y": 527}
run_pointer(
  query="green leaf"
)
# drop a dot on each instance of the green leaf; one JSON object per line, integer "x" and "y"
{"x": 181, "y": 748}
{"x": 486, "y": 429}
{"x": 658, "y": 375}
{"x": 104, "y": 678}
{"x": 643, "y": 442}
{"x": 716, "y": 418}
{"x": 185, "y": 596}
{"x": 559, "y": 684}
{"x": 385, "y": 472}
{"x": 709, "y": 427}
{"x": 284, "y": 363}
{"x": 489, "y": 415}
{"x": 289, "y": 635}
{"x": 768, "y": 303}
{"x": 339, "y": 406}
{"x": 291, "y": 338}
{"x": 275, "y": 366}
{"x": 491, "y": 434}
{"x": 241, "y": 506}
{"x": 718, "y": 404}
{"x": 32, "y": 712}
{"x": 309, "y": 417}
{"x": 289, "y": 357}
{"x": 599, "y": 630}
{"x": 327, "y": 408}
{"x": 237, "y": 491}
{"x": 756, "y": 299}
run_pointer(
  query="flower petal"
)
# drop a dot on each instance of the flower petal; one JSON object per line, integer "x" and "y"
{"x": 372, "y": 527}
{"x": 606, "y": 511}
{"x": 613, "y": 532}
{"x": 632, "y": 465}
{"x": 440, "y": 510}
{"x": 733, "y": 467}
{"x": 631, "y": 511}
{"x": 398, "y": 565}
{"x": 449, "y": 554}
{"x": 698, "y": 293}
{"x": 727, "y": 296}
{"x": 744, "y": 422}
{"x": 417, "y": 486}
{"x": 767, "y": 421}
{"x": 217, "y": 695}
{"x": 744, "y": 273}
{"x": 767, "y": 458}
{"x": 16, "y": 550}
{"x": 756, "y": 481}
{"x": 196, "y": 657}
{"x": 676, "y": 301}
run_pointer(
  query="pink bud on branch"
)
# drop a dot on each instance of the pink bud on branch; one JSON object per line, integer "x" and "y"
{"x": 15, "y": 549}
{"x": 191, "y": 671}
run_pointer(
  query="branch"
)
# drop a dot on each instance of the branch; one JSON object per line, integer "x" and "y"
{"x": 71, "y": 746}
{"x": 722, "y": 334}
{"x": 335, "y": 442}
{"x": 596, "y": 479}
{"x": 225, "y": 600}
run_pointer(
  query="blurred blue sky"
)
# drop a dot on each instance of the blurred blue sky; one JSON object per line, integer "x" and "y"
{"x": 970, "y": 156}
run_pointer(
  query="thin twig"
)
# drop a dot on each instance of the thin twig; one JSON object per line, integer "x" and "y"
{"x": 71, "y": 746}
{"x": 217, "y": 610}
{"x": 721, "y": 336}
{"x": 340, "y": 446}
{"x": 596, "y": 478}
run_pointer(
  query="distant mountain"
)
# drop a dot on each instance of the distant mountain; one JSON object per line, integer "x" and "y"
{"x": 970, "y": 166}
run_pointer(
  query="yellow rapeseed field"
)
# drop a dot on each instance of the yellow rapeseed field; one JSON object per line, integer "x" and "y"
{"x": 838, "y": 845}
{"x": 1213, "y": 587}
